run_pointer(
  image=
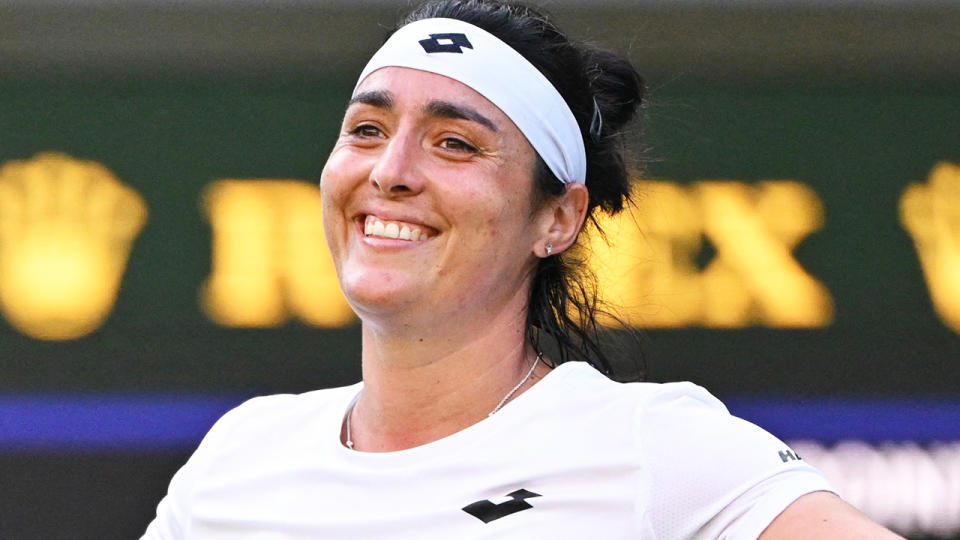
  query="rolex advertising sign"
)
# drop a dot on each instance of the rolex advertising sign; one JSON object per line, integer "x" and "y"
{"x": 817, "y": 234}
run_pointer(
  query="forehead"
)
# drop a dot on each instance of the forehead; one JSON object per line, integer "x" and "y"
{"x": 408, "y": 87}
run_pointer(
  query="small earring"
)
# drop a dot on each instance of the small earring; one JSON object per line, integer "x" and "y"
{"x": 549, "y": 249}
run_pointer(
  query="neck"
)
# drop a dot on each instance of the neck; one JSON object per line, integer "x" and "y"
{"x": 421, "y": 387}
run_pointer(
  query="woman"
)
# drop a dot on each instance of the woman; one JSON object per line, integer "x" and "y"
{"x": 461, "y": 178}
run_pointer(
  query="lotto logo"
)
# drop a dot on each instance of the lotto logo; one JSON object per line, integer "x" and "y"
{"x": 487, "y": 510}
{"x": 451, "y": 43}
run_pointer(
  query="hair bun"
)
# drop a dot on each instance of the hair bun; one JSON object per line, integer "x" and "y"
{"x": 616, "y": 86}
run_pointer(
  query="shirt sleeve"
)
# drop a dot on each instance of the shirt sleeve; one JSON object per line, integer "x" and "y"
{"x": 710, "y": 475}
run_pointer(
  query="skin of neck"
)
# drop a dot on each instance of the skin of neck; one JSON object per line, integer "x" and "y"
{"x": 423, "y": 384}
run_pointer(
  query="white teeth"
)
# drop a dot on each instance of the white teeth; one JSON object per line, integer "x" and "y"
{"x": 375, "y": 227}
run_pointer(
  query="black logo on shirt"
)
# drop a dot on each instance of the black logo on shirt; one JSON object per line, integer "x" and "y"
{"x": 446, "y": 43}
{"x": 486, "y": 511}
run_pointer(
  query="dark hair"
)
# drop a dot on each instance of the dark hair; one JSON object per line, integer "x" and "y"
{"x": 563, "y": 302}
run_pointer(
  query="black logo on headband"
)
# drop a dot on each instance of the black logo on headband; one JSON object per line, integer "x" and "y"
{"x": 445, "y": 43}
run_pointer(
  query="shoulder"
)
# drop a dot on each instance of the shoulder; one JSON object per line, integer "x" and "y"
{"x": 289, "y": 404}
{"x": 238, "y": 441}
{"x": 702, "y": 471}
{"x": 724, "y": 475}
{"x": 263, "y": 415}
{"x": 661, "y": 422}
{"x": 582, "y": 384}
{"x": 669, "y": 412}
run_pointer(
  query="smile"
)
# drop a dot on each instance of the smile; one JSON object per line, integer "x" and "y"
{"x": 398, "y": 230}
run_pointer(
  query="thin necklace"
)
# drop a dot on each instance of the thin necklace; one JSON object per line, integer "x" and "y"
{"x": 506, "y": 398}
{"x": 517, "y": 387}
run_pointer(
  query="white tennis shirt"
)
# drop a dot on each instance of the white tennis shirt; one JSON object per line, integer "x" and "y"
{"x": 576, "y": 456}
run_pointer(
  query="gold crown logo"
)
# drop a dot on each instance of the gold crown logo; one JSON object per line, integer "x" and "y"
{"x": 66, "y": 229}
{"x": 931, "y": 214}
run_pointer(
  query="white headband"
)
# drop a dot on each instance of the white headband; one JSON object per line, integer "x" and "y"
{"x": 478, "y": 59}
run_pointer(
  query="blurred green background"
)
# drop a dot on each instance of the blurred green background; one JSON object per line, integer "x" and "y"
{"x": 855, "y": 100}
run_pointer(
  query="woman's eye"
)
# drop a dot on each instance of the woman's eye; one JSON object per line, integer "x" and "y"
{"x": 452, "y": 143}
{"x": 366, "y": 130}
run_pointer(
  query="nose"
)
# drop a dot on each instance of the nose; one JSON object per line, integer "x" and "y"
{"x": 397, "y": 171}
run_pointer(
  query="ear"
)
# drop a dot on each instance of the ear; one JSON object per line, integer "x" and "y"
{"x": 562, "y": 218}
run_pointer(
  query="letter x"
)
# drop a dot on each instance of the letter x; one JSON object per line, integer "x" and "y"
{"x": 754, "y": 230}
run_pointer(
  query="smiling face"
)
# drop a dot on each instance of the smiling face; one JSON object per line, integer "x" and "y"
{"x": 426, "y": 202}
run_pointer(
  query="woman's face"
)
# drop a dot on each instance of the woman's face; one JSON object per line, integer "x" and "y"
{"x": 427, "y": 201}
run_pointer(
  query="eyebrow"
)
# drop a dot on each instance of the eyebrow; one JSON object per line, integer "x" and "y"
{"x": 445, "y": 109}
{"x": 375, "y": 98}
{"x": 442, "y": 109}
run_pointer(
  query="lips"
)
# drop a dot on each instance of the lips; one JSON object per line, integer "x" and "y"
{"x": 398, "y": 230}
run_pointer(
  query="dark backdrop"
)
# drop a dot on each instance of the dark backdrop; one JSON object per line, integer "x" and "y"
{"x": 751, "y": 95}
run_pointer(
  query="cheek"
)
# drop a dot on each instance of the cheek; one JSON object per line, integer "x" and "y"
{"x": 340, "y": 175}
{"x": 483, "y": 212}
{"x": 498, "y": 222}
{"x": 332, "y": 233}
{"x": 331, "y": 176}
{"x": 329, "y": 207}
{"x": 334, "y": 192}
{"x": 345, "y": 164}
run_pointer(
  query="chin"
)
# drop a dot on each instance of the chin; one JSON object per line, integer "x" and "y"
{"x": 378, "y": 292}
